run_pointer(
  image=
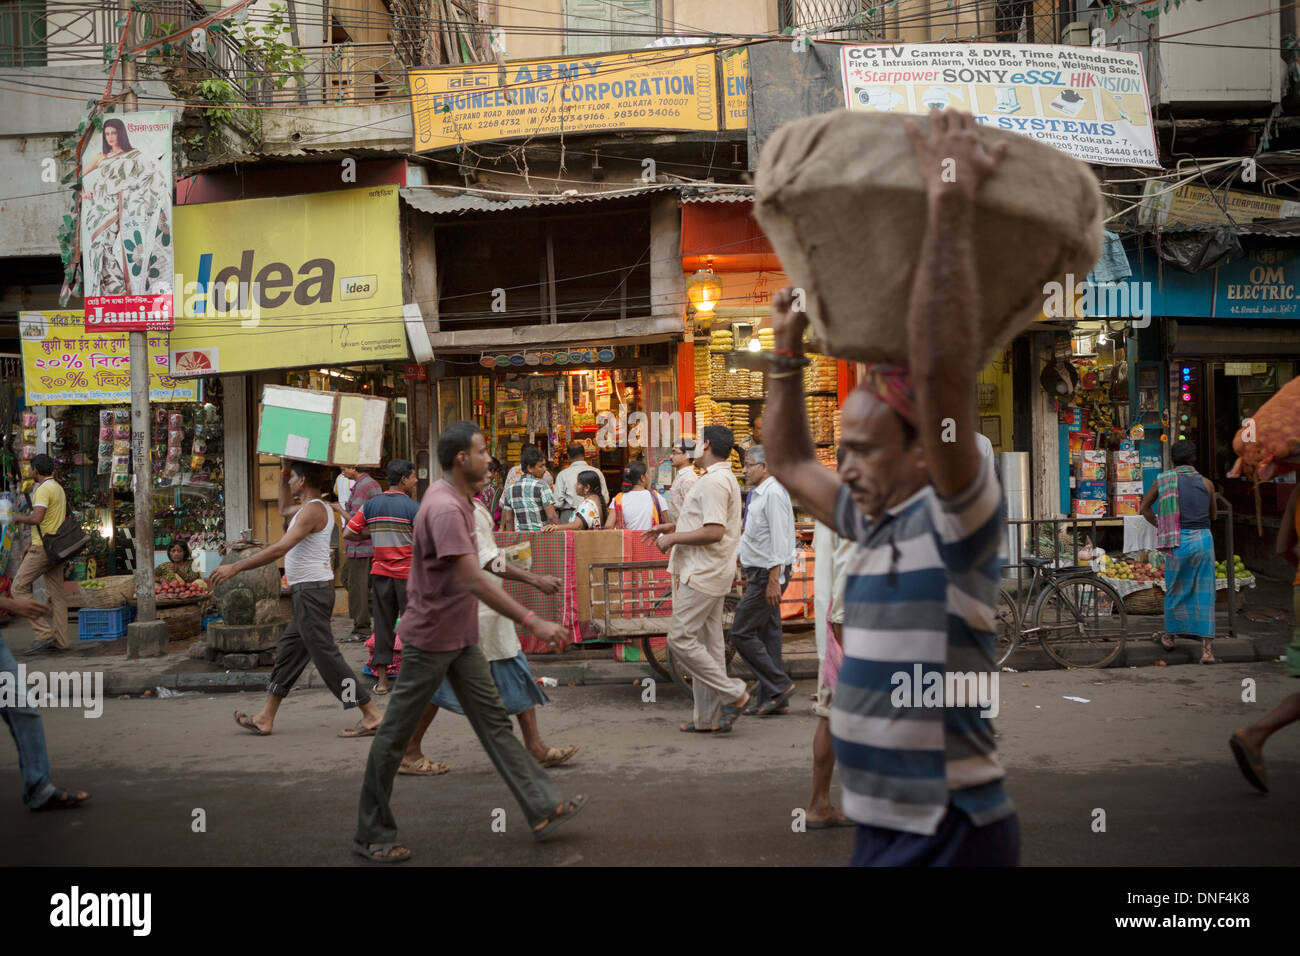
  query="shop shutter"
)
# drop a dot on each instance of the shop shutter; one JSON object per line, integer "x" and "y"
{"x": 1219, "y": 339}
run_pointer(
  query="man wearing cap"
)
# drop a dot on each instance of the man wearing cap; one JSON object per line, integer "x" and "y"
{"x": 921, "y": 778}
{"x": 767, "y": 551}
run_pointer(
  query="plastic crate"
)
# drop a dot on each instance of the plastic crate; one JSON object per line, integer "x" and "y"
{"x": 103, "y": 624}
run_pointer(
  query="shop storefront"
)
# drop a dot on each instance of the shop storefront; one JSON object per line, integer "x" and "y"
{"x": 77, "y": 398}
{"x": 314, "y": 302}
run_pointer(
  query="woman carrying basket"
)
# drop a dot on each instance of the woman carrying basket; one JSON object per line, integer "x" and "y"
{"x": 1181, "y": 505}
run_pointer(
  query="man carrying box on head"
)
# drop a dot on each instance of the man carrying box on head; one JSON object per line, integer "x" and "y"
{"x": 305, "y": 548}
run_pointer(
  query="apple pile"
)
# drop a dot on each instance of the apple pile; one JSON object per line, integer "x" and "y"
{"x": 1134, "y": 571}
{"x": 175, "y": 590}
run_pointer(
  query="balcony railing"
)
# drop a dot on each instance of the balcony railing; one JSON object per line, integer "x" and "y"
{"x": 39, "y": 33}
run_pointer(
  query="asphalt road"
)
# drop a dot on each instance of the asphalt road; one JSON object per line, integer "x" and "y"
{"x": 1149, "y": 749}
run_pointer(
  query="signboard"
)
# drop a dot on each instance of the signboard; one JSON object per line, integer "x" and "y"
{"x": 288, "y": 282}
{"x": 126, "y": 223}
{"x": 65, "y": 363}
{"x": 735, "y": 89}
{"x": 1264, "y": 284}
{"x": 416, "y": 373}
{"x": 1089, "y": 103}
{"x": 1197, "y": 206}
{"x": 671, "y": 88}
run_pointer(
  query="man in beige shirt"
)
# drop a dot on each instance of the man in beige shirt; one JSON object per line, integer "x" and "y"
{"x": 703, "y": 543}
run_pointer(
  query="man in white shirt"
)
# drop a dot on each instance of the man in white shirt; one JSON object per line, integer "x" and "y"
{"x": 567, "y": 498}
{"x": 684, "y": 475}
{"x": 767, "y": 552}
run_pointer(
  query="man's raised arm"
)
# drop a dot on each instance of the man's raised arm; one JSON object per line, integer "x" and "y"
{"x": 791, "y": 457}
{"x": 943, "y": 330}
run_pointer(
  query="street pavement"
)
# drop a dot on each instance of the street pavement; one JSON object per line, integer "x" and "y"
{"x": 1149, "y": 748}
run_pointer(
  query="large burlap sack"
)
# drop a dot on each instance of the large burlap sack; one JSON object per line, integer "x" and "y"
{"x": 1265, "y": 443}
{"x": 840, "y": 197}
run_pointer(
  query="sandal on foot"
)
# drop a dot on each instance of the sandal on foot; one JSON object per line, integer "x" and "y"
{"x": 246, "y": 722}
{"x": 62, "y": 800}
{"x": 360, "y": 730}
{"x": 558, "y": 755}
{"x": 780, "y": 704}
{"x": 837, "y": 819}
{"x": 731, "y": 713}
{"x": 380, "y": 852}
{"x": 1251, "y": 762}
{"x": 567, "y": 813}
{"x": 381, "y": 691}
{"x": 1160, "y": 637}
{"x": 424, "y": 767}
{"x": 690, "y": 728}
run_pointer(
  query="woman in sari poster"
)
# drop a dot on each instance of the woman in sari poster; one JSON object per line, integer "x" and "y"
{"x": 126, "y": 209}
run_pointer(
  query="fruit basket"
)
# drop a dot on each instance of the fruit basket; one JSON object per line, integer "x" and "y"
{"x": 1139, "y": 583}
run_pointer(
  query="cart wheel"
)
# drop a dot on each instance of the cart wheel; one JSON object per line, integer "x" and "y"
{"x": 657, "y": 658}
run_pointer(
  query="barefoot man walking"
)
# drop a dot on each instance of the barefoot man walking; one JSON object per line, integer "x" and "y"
{"x": 440, "y": 640}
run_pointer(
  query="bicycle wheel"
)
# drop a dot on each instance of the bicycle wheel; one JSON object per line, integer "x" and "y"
{"x": 1006, "y": 628}
{"x": 1081, "y": 622}
{"x": 679, "y": 674}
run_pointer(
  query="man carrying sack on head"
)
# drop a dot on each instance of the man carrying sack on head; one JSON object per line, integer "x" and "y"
{"x": 924, "y": 510}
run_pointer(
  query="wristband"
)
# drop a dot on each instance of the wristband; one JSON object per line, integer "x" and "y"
{"x": 524, "y": 622}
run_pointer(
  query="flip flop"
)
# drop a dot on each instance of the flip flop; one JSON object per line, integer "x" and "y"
{"x": 1251, "y": 763}
{"x": 246, "y": 722}
{"x": 1159, "y": 638}
{"x": 731, "y": 713}
{"x": 379, "y": 852}
{"x": 360, "y": 730}
{"x": 424, "y": 767}
{"x": 829, "y": 824}
{"x": 570, "y": 811}
{"x": 558, "y": 755}
{"x": 63, "y": 801}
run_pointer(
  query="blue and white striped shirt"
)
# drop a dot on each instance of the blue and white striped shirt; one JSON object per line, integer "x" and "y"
{"x": 921, "y": 588}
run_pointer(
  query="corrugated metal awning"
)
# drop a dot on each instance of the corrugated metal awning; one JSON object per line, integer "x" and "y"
{"x": 442, "y": 200}
{"x": 718, "y": 197}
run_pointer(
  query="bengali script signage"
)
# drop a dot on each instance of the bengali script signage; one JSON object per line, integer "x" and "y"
{"x": 64, "y": 363}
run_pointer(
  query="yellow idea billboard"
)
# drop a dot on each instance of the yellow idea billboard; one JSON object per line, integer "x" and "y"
{"x": 670, "y": 88}
{"x": 288, "y": 281}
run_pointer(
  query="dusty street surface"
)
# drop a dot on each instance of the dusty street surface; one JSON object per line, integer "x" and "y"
{"x": 1149, "y": 749}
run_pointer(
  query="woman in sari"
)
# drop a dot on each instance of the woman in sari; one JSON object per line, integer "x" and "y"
{"x": 1181, "y": 505}
{"x": 126, "y": 209}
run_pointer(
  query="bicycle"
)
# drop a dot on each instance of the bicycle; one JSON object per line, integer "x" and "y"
{"x": 1079, "y": 619}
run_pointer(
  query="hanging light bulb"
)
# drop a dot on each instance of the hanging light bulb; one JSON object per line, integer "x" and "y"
{"x": 704, "y": 289}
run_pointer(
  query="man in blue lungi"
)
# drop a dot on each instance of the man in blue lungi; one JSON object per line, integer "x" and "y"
{"x": 1181, "y": 505}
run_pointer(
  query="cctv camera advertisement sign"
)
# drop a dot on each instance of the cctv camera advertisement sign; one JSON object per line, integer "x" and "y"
{"x": 126, "y": 224}
{"x": 288, "y": 281}
{"x": 1090, "y": 103}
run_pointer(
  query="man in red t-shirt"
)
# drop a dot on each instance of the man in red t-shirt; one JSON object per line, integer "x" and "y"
{"x": 440, "y": 640}
{"x": 386, "y": 522}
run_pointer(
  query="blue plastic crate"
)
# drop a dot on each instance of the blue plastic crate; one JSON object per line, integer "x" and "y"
{"x": 103, "y": 624}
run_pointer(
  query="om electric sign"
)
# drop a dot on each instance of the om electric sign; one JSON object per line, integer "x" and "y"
{"x": 671, "y": 88}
